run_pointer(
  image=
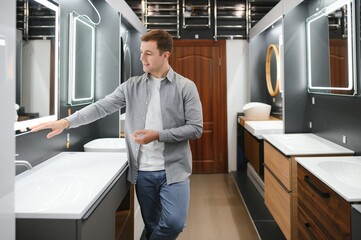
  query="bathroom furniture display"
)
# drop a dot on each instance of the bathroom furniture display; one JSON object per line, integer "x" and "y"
{"x": 329, "y": 193}
{"x": 162, "y": 14}
{"x": 196, "y": 14}
{"x": 253, "y": 138}
{"x": 322, "y": 213}
{"x": 75, "y": 195}
{"x": 280, "y": 173}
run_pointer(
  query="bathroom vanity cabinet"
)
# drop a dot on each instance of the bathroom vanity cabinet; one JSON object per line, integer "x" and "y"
{"x": 253, "y": 150}
{"x": 280, "y": 173}
{"x": 280, "y": 190}
{"x": 109, "y": 218}
{"x": 322, "y": 213}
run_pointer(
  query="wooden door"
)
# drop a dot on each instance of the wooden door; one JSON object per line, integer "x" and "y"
{"x": 204, "y": 62}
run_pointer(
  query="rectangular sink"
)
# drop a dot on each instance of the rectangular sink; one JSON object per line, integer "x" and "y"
{"x": 305, "y": 144}
{"x": 259, "y": 128}
{"x": 341, "y": 174}
{"x": 66, "y": 185}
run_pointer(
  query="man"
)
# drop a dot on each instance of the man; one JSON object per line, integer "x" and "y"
{"x": 163, "y": 112}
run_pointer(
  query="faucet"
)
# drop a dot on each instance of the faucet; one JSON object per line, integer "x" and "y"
{"x": 23, "y": 163}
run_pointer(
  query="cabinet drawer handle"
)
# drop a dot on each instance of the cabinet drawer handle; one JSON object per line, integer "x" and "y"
{"x": 315, "y": 188}
{"x": 308, "y": 229}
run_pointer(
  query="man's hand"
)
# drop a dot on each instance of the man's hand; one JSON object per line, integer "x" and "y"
{"x": 56, "y": 126}
{"x": 145, "y": 136}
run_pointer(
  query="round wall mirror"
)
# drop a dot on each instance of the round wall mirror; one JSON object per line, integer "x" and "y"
{"x": 273, "y": 91}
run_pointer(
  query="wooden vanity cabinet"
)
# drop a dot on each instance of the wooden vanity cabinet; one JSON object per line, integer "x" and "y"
{"x": 253, "y": 151}
{"x": 322, "y": 213}
{"x": 280, "y": 189}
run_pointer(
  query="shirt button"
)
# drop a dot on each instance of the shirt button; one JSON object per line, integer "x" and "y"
{"x": 143, "y": 118}
{"x": 146, "y": 102}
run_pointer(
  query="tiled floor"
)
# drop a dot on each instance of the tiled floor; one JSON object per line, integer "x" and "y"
{"x": 217, "y": 211}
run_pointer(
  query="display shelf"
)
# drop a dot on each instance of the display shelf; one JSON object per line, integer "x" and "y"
{"x": 162, "y": 15}
{"x": 230, "y": 19}
{"x": 196, "y": 15}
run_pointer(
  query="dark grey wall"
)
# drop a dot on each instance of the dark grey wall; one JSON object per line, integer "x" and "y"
{"x": 296, "y": 99}
{"x": 34, "y": 147}
{"x": 257, "y": 76}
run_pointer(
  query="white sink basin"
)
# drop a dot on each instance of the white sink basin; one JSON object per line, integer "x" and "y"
{"x": 342, "y": 174}
{"x": 257, "y": 111}
{"x": 305, "y": 144}
{"x": 348, "y": 172}
{"x": 258, "y": 128}
{"x": 66, "y": 185}
{"x": 106, "y": 145}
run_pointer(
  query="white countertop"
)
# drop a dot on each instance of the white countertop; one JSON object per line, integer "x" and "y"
{"x": 305, "y": 144}
{"x": 259, "y": 128}
{"x": 66, "y": 185}
{"x": 341, "y": 174}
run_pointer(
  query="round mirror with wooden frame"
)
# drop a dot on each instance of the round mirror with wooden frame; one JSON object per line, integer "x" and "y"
{"x": 272, "y": 91}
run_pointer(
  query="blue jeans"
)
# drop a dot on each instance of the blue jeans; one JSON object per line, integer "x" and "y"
{"x": 164, "y": 207}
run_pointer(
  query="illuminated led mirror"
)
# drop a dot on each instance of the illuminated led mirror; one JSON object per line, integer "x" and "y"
{"x": 81, "y": 60}
{"x": 331, "y": 49}
{"x": 37, "y": 47}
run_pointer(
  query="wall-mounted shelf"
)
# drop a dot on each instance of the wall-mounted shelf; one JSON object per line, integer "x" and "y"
{"x": 163, "y": 15}
{"x": 196, "y": 15}
{"x": 230, "y": 19}
{"x": 213, "y": 18}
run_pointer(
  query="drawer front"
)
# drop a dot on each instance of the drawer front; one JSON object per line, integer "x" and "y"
{"x": 251, "y": 151}
{"x": 307, "y": 229}
{"x": 279, "y": 164}
{"x": 329, "y": 212}
{"x": 278, "y": 201}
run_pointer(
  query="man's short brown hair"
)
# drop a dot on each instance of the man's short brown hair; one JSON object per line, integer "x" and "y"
{"x": 164, "y": 39}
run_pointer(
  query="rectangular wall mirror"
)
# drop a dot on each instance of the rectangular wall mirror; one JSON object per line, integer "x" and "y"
{"x": 37, "y": 26}
{"x": 331, "y": 49}
{"x": 81, "y": 60}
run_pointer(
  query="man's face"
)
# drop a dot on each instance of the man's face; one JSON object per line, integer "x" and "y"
{"x": 153, "y": 62}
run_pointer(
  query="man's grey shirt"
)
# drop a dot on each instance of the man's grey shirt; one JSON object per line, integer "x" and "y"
{"x": 181, "y": 114}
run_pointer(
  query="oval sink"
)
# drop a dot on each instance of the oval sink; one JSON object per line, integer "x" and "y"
{"x": 106, "y": 145}
{"x": 66, "y": 185}
{"x": 345, "y": 171}
{"x": 59, "y": 190}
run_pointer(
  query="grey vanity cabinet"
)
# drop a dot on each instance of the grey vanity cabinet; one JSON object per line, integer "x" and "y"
{"x": 100, "y": 222}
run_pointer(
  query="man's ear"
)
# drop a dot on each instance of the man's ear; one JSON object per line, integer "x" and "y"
{"x": 166, "y": 54}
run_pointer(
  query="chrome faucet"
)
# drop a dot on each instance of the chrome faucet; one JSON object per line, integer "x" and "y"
{"x": 23, "y": 163}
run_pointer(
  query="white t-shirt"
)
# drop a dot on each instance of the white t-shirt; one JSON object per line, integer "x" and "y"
{"x": 151, "y": 154}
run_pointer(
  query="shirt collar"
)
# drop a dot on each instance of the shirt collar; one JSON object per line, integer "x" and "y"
{"x": 170, "y": 75}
